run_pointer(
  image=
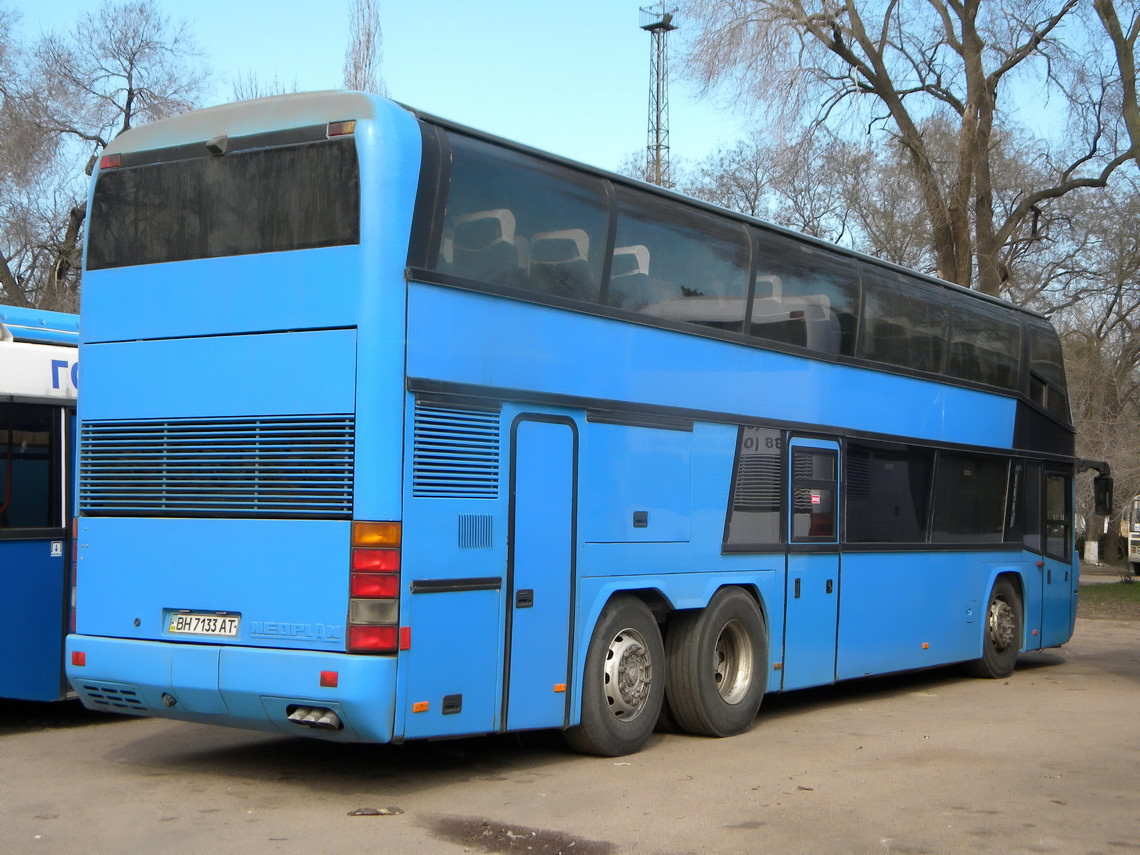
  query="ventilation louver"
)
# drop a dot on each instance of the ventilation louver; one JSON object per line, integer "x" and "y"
{"x": 281, "y": 467}
{"x": 455, "y": 453}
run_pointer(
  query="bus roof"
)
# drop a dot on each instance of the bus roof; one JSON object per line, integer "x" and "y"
{"x": 38, "y": 325}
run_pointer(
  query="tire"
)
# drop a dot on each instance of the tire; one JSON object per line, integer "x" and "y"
{"x": 623, "y": 683}
{"x": 1001, "y": 633}
{"x": 716, "y": 663}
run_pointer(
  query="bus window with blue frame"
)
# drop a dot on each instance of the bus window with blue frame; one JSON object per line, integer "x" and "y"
{"x": 29, "y": 490}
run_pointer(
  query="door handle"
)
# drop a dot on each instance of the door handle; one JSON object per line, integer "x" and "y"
{"x": 797, "y": 594}
{"x": 524, "y": 599}
{"x": 830, "y": 586}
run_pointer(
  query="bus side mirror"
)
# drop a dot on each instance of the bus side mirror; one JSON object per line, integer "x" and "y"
{"x": 1102, "y": 495}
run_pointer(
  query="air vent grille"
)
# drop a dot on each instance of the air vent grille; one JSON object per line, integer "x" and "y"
{"x": 280, "y": 467}
{"x": 455, "y": 453}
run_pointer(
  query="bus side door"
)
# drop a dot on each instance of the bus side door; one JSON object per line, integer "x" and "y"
{"x": 34, "y": 549}
{"x": 540, "y": 571}
{"x": 1057, "y": 555}
{"x": 812, "y": 587}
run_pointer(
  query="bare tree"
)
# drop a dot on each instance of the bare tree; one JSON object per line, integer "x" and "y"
{"x": 120, "y": 66}
{"x": 247, "y": 86}
{"x": 1122, "y": 36}
{"x": 902, "y": 66}
{"x": 363, "y": 57}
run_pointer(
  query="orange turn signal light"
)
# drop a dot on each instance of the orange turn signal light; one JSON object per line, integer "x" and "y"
{"x": 375, "y": 534}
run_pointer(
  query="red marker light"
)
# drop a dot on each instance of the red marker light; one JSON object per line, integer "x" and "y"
{"x": 372, "y": 637}
{"x": 374, "y": 585}
{"x": 78, "y": 658}
{"x": 329, "y": 679}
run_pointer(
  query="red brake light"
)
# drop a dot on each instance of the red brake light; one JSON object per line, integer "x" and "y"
{"x": 110, "y": 161}
{"x": 376, "y": 560}
{"x": 374, "y": 585}
{"x": 377, "y": 638}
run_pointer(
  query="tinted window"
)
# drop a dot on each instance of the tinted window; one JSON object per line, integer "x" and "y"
{"x": 969, "y": 499}
{"x": 904, "y": 321}
{"x": 519, "y": 221}
{"x": 804, "y": 297}
{"x": 1031, "y": 516}
{"x": 1047, "y": 371}
{"x": 259, "y": 200}
{"x": 1058, "y": 516}
{"x": 888, "y": 493}
{"x": 29, "y": 481}
{"x": 984, "y": 346}
{"x": 813, "y": 495}
{"x": 754, "y": 514}
{"x": 678, "y": 265}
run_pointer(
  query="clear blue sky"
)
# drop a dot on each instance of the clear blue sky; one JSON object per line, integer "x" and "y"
{"x": 571, "y": 78}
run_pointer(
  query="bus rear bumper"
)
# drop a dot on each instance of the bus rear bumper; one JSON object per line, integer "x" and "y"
{"x": 250, "y": 687}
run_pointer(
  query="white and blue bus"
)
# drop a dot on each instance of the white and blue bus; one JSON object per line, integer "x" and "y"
{"x": 442, "y": 435}
{"x": 38, "y": 369}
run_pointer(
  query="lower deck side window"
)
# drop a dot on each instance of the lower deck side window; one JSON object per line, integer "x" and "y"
{"x": 30, "y": 490}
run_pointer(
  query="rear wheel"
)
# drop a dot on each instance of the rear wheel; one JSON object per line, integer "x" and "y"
{"x": 1001, "y": 635}
{"x": 623, "y": 685}
{"x": 717, "y": 665}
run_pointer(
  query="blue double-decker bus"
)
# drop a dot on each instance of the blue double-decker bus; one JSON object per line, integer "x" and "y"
{"x": 38, "y": 370}
{"x": 392, "y": 429}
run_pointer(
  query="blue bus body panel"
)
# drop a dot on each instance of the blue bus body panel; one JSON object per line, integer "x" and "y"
{"x": 458, "y": 330}
{"x": 236, "y": 686}
{"x": 275, "y": 374}
{"x": 135, "y": 572}
{"x": 932, "y": 598}
{"x": 33, "y": 612}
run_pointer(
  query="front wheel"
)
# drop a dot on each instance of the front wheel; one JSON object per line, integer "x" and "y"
{"x": 623, "y": 684}
{"x": 1001, "y": 637}
{"x": 717, "y": 661}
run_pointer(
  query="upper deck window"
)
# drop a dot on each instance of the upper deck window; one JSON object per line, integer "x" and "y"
{"x": 1047, "y": 370}
{"x": 522, "y": 222}
{"x": 246, "y": 201}
{"x": 675, "y": 264}
{"x": 805, "y": 297}
{"x": 904, "y": 321}
{"x": 985, "y": 346}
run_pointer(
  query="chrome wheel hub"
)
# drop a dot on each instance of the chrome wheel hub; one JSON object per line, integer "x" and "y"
{"x": 732, "y": 662}
{"x": 628, "y": 674}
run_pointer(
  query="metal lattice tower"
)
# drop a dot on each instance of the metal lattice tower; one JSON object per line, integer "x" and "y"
{"x": 658, "y": 22}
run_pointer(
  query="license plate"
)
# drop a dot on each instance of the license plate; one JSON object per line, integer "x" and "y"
{"x": 204, "y": 623}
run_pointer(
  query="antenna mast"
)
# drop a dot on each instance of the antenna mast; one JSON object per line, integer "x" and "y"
{"x": 658, "y": 22}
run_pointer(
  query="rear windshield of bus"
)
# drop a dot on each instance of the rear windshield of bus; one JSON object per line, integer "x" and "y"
{"x": 256, "y": 200}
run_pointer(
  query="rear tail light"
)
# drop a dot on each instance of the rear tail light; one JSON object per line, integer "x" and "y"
{"x": 374, "y": 588}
